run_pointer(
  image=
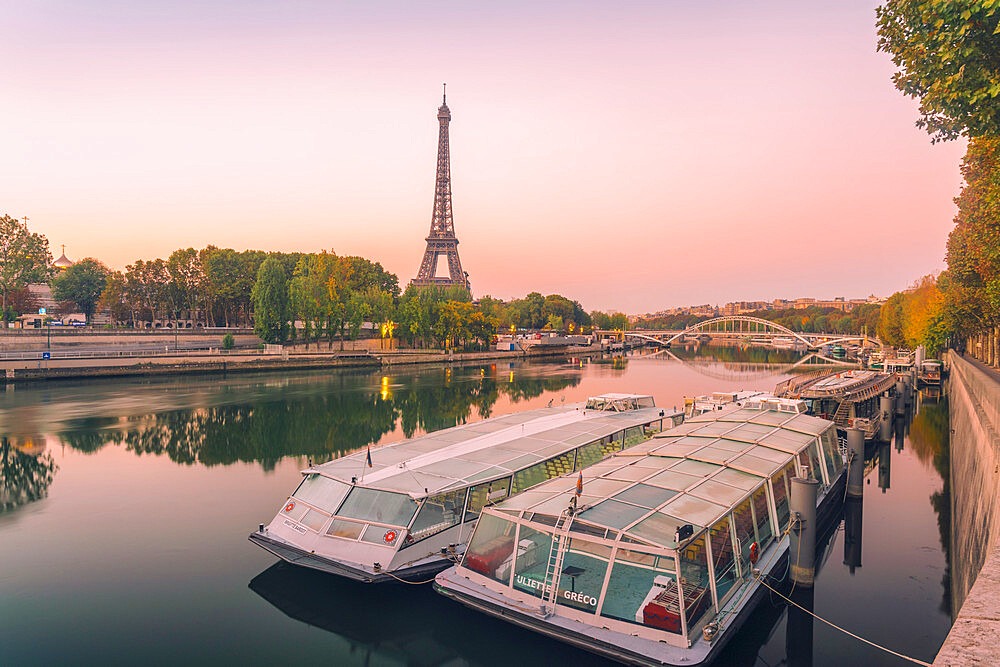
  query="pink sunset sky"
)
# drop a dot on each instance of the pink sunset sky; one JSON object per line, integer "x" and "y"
{"x": 631, "y": 155}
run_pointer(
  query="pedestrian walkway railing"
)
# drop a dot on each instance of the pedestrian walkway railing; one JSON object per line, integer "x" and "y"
{"x": 40, "y": 355}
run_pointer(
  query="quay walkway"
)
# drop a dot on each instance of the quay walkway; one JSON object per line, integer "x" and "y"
{"x": 974, "y": 412}
{"x": 229, "y": 361}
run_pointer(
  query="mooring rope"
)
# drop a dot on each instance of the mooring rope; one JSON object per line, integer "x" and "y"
{"x": 415, "y": 583}
{"x": 846, "y": 632}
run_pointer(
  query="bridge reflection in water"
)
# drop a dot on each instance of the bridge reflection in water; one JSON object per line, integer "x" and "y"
{"x": 744, "y": 363}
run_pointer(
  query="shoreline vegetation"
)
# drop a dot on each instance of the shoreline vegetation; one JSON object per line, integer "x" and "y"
{"x": 315, "y": 298}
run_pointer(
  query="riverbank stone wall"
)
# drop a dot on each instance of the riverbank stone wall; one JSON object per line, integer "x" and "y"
{"x": 974, "y": 410}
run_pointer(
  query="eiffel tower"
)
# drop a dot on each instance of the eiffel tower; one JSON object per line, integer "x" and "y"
{"x": 442, "y": 240}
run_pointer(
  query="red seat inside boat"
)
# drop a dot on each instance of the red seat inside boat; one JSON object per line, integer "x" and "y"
{"x": 487, "y": 559}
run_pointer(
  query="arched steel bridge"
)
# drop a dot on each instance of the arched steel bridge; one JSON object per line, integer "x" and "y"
{"x": 742, "y": 326}
{"x": 748, "y": 371}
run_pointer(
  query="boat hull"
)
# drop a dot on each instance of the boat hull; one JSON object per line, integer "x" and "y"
{"x": 618, "y": 646}
{"x": 295, "y": 556}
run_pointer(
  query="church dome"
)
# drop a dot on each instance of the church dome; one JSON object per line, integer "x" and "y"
{"x": 63, "y": 262}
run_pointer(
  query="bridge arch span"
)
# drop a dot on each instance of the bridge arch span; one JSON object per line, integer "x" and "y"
{"x": 763, "y": 326}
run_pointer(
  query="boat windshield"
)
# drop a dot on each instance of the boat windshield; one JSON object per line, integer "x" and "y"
{"x": 322, "y": 492}
{"x": 386, "y": 507}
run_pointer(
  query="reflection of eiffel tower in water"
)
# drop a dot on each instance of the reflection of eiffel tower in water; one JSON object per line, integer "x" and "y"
{"x": 442, "y": 240}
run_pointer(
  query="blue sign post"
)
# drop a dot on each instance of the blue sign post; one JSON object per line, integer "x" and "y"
{"x": 46, "y": 355}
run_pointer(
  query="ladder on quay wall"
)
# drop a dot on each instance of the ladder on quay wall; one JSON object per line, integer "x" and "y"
{"x": 550, "y": 584}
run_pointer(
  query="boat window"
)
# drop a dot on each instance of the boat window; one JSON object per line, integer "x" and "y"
{"x": 810, "y": 459}
{"x": 380, "y": 535}
{"x": 645, "y": 495}
{"x": 762, "y": 518}
{"x": 613, "y": 513}
{"x": 589, "y": 454}
{"x": 658, "y": 528}
{"x": 780, "y": 486}
{"x": 294, "y": 510}
{"x": 485, "y": 494}
{"x": 322, "y": 492}
{"x": 615, "y": 442}
{"x": 314, "y": 519}
{"x": 437, "y": 513}
{"x": 694, "y": 581}
{"x": 547, "y": 519}
{"x": 634, "y": 435}
{"x": 674, "y": 480}
{"x": 646, "y": 402}
{"x": 395, "y": 509}
{"x": 745, "y": 536}
{"x": 587, "y": 529}
{"x": 834, "y": 461}
{"x": 694, "y": 510}
{"x": 722, "y": 557}
{"x": 737, "y": 478}
{"x": 538, "y": 473}
{"x": 639, "y": 592}
{"x": 491, "y": 545}
{"x": 529, "y": 570}
{"x": 581, "y": 577}
{"x": 347, "y": 529}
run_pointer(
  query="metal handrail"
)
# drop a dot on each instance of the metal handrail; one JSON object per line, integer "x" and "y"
{"x": 36, "y": 355}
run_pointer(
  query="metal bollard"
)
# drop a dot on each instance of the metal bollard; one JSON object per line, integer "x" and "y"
{"x": 856, "y": 471}
{"x": 802, "y": 536}
{"x": 887, "y": 407}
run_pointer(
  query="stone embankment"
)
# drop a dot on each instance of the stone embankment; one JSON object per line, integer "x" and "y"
{"x": 192, "y": 363}
{"x": 974, "y": 412}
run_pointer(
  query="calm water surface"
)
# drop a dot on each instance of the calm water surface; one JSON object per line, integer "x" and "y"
{"x": 125, "y": 507}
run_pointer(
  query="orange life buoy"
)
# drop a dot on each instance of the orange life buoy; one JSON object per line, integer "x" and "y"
{"x": 389, "y": 537}
{"x": 289, "y": 507}
{"x": 753, "y": 553}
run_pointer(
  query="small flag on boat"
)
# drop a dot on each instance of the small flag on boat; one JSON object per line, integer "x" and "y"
{"x": 369, "y": 457}
{"x": 579, "y": 484}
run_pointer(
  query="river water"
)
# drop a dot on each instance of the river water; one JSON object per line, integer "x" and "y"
{"x": 125, "y": 507}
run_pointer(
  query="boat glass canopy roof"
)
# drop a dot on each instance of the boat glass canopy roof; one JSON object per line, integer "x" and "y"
{"x": 685, "y": 475}
{"x": 477, "y": 452}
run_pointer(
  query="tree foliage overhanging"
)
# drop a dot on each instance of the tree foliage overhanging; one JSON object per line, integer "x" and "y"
{"x": 948, "y": 55}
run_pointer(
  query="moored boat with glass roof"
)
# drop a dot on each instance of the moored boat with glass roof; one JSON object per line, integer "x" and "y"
{"x": 408, "y": 510}
{"x": 717, "y": 400}
{"x": 658, "y": 558}
{"x": 849, "y": 398}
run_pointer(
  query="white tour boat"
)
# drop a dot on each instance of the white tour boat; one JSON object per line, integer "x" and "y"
{"x": 408, "y": 511}
{"x": 658, "y": 559}
{"x": 718, "y": 400}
